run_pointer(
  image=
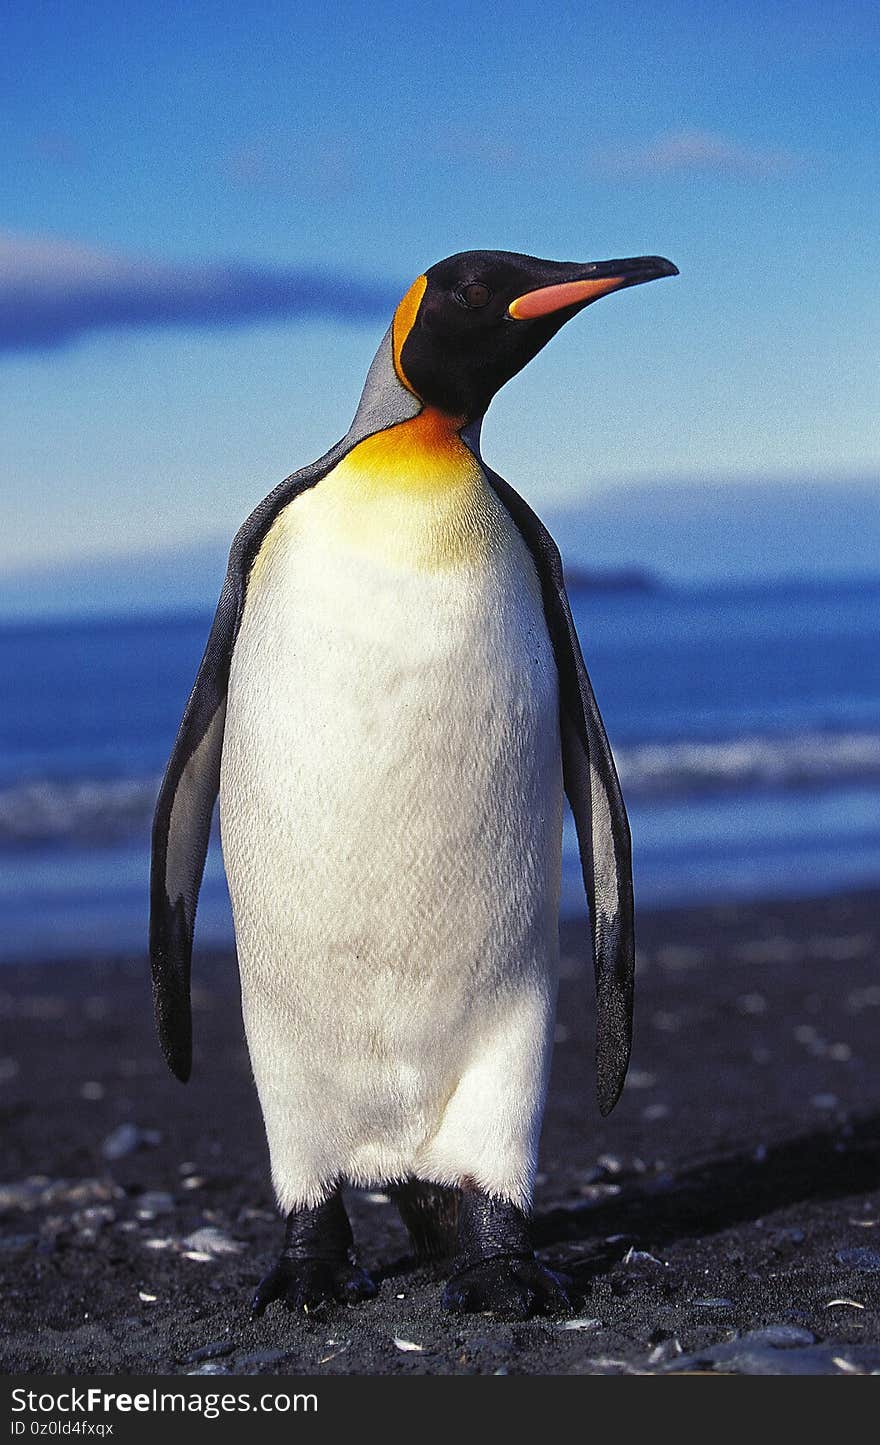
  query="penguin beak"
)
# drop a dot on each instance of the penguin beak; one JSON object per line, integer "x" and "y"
{"x": 588, "y": 283}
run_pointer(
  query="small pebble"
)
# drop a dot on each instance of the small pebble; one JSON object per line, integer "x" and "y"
{"x": 148, "y": 1299}
{"x": 824, "y": 1101}
{"x": 407, "y": 1345}
{"x": 752, "y": 1357}
{"x": 94, "y": 1217}
{"x": 867, "y": 1261}
{"x": 193, "y": 1181}
{"x": 127, "y": 1139}
{"x": 375, "y": 1196}
{"x": 595, "y": 1192}
{"x": 581, "y": 1324}
{"x": 87, "y": 1191}
{"x": 153, "y": 1202}
{"x": 641, "y": 1256}
{"x": 210, "y": 1243}
{"x": 805, "y": 1034}
{"x": 610, "y": 1164}
{"x": 781, "y": 1337}
{"x": 39, "y": 1191}
{"x": 714, "y": 1304}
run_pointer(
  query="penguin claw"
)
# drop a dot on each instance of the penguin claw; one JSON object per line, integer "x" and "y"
{"x": 306, "y": 1286}
{"x": 511, "y": 1288}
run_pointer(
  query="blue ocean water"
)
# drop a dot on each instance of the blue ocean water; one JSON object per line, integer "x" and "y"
{"x": 745, "y": 722}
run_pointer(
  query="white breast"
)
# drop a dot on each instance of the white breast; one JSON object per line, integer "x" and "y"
{"x": 391, "y": 819}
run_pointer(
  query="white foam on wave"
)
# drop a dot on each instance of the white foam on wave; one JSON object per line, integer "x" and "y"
{"x": 97, "y": 811}
{"x": 673, "y": 769}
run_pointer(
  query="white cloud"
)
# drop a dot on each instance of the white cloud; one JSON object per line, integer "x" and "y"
{"x": 689, "y": 151}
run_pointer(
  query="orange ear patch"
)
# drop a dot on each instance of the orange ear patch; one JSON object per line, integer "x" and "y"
{"x": 404, "y": 317}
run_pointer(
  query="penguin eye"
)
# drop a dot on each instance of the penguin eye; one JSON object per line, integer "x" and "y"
{"x": 475, "y": 294}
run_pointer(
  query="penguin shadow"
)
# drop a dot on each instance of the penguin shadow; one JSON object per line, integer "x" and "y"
{"x": 715, "y": 1195}
{"x": 704, "y": 1199}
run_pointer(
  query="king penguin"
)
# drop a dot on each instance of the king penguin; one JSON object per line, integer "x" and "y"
{"x": 391, "y": 705}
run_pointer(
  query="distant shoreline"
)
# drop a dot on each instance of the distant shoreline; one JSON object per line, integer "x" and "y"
{"x": 77, "y": 613}
{"x": 611, "y": 579}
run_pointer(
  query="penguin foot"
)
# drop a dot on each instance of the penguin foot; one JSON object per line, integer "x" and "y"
{"x": 305, "y": 1286}
{"x": 511, "y": 1287}
{"x": 496, "y": 1271}
{"x": 317, "y": 1266}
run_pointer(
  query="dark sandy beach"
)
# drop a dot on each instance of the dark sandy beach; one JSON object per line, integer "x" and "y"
{"x": 725, "y": 1217}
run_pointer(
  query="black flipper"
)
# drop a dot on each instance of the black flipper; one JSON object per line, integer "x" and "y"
{"x": 593, "y": 791}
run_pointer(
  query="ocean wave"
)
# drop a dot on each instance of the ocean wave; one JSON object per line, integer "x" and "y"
{"x": 86, "y": 811}
{"x": 109, "y": 811}
{"x": 677, "y": 769}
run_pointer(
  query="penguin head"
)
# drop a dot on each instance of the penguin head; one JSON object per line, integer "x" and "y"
{"x": 473, "y": 321}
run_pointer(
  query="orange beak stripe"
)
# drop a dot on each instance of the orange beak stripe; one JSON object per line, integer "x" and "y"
{"x": 552, "y": 298}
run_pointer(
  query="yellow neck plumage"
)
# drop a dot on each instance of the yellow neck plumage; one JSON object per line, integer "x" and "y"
{"x": 424, "y": 453}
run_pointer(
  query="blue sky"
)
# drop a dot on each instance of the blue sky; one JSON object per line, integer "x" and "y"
{"x": 306, "y": 161}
